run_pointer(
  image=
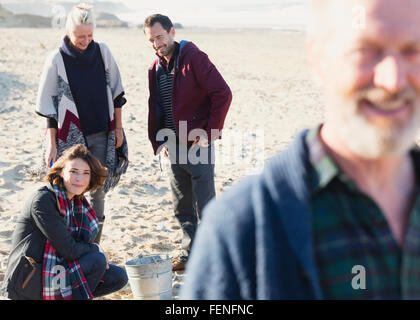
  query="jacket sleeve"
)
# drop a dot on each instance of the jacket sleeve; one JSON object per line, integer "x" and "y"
{"x": 48, "y": 88}
{"x": 47, "y": 218}
{"x": 221, "y": 265}
{"x": 113, "y": 76}
{"x": 209, "y": 79}
{"x": 210, "y": 271}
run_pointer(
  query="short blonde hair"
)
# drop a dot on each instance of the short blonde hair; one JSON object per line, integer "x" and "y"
{"x": 79, "y": 15}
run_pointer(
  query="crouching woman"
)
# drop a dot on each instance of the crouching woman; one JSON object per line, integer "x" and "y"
{"x": 53, "y": 255}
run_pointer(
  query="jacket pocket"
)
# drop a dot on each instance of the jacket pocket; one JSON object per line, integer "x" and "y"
{"x": 27, "y": 279}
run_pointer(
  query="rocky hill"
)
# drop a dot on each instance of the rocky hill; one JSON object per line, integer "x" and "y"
{"x": 25, "y": 20}
{"x": 8, "y": 19}
{"x": 45, "y": 8}
{"x": 108, "y": 20}
{"x": 5, "y": 15}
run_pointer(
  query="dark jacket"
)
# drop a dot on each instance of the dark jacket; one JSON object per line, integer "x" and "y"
{"x": 200, "y": 95}
{"x": 255, "y": 241}
{"x": 38, "y": 220}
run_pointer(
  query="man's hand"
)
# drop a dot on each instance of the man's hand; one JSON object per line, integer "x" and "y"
{"x": 119, "y": 137}
{"x": 165, "y": 152}
{"x": 202, "y": 142}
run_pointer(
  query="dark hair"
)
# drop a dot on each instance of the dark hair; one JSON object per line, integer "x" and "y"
{"x": 165, "y": 22}
{"x": 98, "y": 173}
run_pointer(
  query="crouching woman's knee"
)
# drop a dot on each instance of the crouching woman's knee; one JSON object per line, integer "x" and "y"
{"x": 121, "y": 278}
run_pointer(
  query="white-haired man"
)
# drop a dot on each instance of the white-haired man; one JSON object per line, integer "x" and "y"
{"x": 337, "y": 214}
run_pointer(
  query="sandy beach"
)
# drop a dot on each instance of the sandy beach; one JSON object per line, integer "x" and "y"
{"x": 273, "y": 99}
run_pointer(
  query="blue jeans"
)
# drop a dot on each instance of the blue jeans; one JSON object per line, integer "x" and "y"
{"x": 93, "y": 265}
{"x": 97, "y": 145}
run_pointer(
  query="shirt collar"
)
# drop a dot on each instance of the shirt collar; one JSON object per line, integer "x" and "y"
{"x": 169, "y": 66}
{"x": 325, "y": 170}
{"x": 85, "y": 56}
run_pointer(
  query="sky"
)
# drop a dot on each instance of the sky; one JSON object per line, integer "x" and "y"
{"x": 225, "y": 13}
{"x": 285, "y": 14}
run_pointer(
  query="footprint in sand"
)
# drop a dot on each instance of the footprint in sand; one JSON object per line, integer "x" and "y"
{"x": 152, "y": 190}
{"x": 9, "y": 178}
{"x": 117, "y": 217}
{"x": 4, "y": 164}
{"x": 6, "y": 234}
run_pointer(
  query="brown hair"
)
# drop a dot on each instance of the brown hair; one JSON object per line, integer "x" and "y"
{"x": 165, "y": 22}
{"x": 98, "y": 173}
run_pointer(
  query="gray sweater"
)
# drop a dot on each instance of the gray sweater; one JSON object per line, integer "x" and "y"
{"x": 255, "y": 240}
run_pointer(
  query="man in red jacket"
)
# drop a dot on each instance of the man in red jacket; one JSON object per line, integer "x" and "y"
{"x": 188, "y": 104}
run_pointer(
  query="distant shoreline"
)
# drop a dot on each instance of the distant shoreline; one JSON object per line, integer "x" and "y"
{"x": 132, "y": 19}
{"x": 187, "y": 28}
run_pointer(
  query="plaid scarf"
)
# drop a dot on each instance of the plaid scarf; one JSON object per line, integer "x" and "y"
{"x": 83, "y": 225}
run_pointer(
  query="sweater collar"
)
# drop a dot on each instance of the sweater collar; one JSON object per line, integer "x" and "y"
{"x": 81, "y": 57}
{"x": 324, "y": 169}
{"x": 287, "y": 177}
{"x": 169, "y": 66}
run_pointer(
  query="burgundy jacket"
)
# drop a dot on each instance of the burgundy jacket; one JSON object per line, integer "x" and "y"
{"x": 200, "y": 95}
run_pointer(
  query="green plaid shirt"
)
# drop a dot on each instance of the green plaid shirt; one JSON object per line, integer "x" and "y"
{"x": 350, "y": 230}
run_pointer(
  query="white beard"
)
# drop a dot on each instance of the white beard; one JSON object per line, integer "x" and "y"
{"x": 369, "y": 141}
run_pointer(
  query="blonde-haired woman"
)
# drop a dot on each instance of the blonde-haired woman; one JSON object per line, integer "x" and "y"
{"x": 81, "y": 95}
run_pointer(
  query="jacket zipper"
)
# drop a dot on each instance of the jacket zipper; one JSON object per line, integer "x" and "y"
{"x": 173, "y": 88}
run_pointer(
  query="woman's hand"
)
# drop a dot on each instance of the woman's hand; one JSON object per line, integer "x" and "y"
{"x": 106, "y": 258}
{"x": 119, "y": 137}
{"x": 103, "y": 252}
{"x": 51, "y": 154}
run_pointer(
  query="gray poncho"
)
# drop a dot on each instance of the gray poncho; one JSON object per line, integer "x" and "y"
{"x": 55, "y": 100}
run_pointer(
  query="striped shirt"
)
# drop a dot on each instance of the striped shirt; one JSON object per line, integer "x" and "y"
{"x": 352, "y": 239}
{"x": 165, "y": 86}
{"x": 166, "y": 80}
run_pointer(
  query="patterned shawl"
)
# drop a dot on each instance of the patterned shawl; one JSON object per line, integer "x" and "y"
{"x": 83, "y": 225}
{"x": 55, "y": 100}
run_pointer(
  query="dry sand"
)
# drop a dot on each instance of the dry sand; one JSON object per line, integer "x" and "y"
{"x": 272, "y": 91}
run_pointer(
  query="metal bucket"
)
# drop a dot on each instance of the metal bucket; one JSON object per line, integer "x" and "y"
{"x": 150, "y": 277}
